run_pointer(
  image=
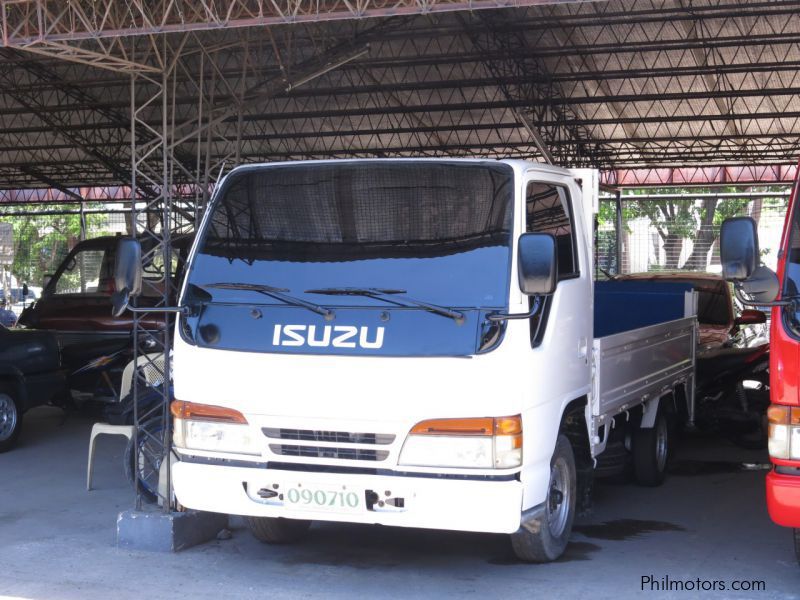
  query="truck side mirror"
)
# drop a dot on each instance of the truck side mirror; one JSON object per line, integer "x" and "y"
{"x": 750, "y": 316}
{"x": 537, "y": 262}
{"x": 738, "y": 248}
{"x": 761, "y": 287}
{"x": 46, "y": 279}
{"x": 127, "y": 274}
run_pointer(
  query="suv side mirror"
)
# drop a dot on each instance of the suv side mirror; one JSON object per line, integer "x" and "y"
{"x": 127, "y": 274}
{"x": 738, "y": 248}
{"x": 750, "y": 316}
{"x": 24, "y": 291}
{"x": 537, "y": 262}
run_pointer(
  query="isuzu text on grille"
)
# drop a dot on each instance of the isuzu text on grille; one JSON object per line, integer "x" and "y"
{"x": 338, "y": 336}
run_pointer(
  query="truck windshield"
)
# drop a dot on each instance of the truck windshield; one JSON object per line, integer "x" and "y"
{"x": 439, "y": 231}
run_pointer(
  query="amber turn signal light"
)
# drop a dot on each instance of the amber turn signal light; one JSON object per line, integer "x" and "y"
{"x": 181, "y": 409}
{"x": 485, "y": 426}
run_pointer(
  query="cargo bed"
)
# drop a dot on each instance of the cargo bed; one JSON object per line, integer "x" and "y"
{"x": 639, "y": 366}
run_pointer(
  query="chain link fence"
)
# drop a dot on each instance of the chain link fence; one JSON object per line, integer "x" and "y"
{"x": 662, "y": 230}
{"x": 669, "y": 230}
{"x": 43, "y": 235}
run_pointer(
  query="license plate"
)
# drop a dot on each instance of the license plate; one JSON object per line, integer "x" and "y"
{"x": 324, "y": 498}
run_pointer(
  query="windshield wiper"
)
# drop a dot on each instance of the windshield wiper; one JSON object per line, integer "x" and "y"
{"x": 387, "y": 296}
{"x": 277, "y": 293}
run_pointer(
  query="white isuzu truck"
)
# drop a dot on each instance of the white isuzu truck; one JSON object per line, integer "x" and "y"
{"x": 415, "y": 343}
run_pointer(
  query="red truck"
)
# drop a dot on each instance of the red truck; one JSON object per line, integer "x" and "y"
{"x": 755, "y": 284}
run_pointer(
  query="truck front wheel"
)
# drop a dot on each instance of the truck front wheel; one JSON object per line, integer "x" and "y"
{"x": 10, "y": 419}
{"x": 273, "y": 530}
{"x": 546, "y": 539}
{"x": 651, "y": 451}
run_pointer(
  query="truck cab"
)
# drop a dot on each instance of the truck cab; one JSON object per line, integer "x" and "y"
{"x": 757, "y": 285}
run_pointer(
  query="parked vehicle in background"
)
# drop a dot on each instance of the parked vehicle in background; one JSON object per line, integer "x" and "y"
{"x": 732, "y": 382}
{"x": 722, "y": 322}
{"x": 8, "y": 318}
{"x": 758, "y": 285}
{"x": 76, "y": 305}
{"x": 411, "y": 343}
{"x": 30, "y": 376}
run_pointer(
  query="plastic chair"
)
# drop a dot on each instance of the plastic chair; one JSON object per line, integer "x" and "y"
{"x": 100, "y": 429}
{"x": 152, "y": 367}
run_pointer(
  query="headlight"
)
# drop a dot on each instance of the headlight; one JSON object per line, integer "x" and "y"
{"x": 784, "y": 431}
{"x": 212, "y": 429}
{"x": 483, "y": 443}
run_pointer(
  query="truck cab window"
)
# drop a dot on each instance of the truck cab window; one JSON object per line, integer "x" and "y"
{"x": 791, "y": 285}
{"x": 548, "y": 211}
{"x": 85, "y": 273}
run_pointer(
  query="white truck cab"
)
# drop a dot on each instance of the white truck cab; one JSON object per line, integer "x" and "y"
{"x": 412, "y": 343}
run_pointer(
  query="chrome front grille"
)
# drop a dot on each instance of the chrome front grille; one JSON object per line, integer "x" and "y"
{"x": 328, "y": 445}
{"x": 334, "y": 437}
{"x": 329, "y": 452}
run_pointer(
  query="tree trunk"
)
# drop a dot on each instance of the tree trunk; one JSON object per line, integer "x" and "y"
{"x": 673, "y": 245}
{"x": 704, "y": 238}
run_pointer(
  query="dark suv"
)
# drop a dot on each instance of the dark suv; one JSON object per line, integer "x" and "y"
{"x": 30, "y": 375}
{"x": 76, "y": 306}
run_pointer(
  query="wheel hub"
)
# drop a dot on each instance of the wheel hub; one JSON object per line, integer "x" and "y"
{"x": 8, "y": 417}
{"x": 558, "y": 499}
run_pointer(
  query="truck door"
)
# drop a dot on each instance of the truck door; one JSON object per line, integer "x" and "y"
{"x": 565, "y": 326}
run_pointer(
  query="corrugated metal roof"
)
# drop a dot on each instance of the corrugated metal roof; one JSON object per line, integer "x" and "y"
{"x": 618, "y": 85}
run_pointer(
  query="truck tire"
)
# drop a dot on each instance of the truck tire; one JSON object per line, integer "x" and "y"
{"x": 553, "y": 531}
{"x": 651, "y": 450}
{"x": 142, "y": 463}
{"x": 10, "y": 419}
{"x": 271, "y": 530}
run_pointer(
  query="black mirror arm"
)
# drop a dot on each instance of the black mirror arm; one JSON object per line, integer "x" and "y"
{"x": 538, "y": 302}
{"x": 183, "y": 310}
{"x": 793, "y": 302}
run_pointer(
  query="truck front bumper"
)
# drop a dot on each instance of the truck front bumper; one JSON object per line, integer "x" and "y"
{"x": 491, "y": 506}
{"x": 783, "y": 498}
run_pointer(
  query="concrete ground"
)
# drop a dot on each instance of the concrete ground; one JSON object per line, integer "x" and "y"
{"x": 708, "y": 522}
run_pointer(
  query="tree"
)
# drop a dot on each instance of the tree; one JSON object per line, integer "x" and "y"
{"x": 42, "y": 241}
{"x": 695, "y": 219}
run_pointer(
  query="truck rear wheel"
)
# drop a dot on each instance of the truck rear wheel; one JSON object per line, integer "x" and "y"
{"x": 10, "y": 420}
{"x": 273, "y": 530}
{"x": 547, "y": 539}
{"x": 650, "y": 452}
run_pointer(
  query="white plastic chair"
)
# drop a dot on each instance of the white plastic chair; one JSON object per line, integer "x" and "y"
{"x": 152, "y": 367}
{"x": 99, "y": 429}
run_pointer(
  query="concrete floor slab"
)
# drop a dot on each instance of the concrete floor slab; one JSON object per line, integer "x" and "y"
{"x": 708, "y": 521}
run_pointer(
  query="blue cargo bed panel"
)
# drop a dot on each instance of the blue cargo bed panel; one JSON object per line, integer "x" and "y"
{"x": 625, "y": 305}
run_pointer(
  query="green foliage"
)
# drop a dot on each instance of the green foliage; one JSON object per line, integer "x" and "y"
{"x": 42, "y": 241}
{"x": 696, "y": 218}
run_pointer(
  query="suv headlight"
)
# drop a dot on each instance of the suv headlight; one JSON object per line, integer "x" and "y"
{"x": 211, "y": 429}
{"x": 482, "y": 443}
